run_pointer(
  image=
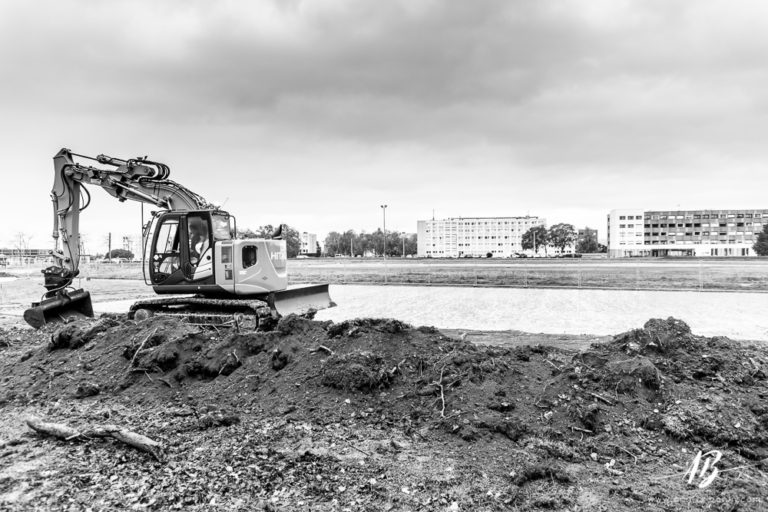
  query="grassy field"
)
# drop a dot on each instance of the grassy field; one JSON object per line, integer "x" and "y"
{"x": 633, "y": 274}
{"x": 601, "y": 274}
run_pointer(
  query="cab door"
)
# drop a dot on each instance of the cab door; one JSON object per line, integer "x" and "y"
{"x": 166, "y": 257}
{"x": 197, "y": 248}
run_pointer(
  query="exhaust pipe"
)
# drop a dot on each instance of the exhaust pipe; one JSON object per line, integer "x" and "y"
{"x": 62, "y": 307}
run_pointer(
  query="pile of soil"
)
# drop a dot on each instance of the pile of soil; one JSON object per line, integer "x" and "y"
{"x": 376, "y": 414}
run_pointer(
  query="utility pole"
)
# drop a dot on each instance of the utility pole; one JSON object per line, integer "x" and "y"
{"x": 351, "y": 252}
{"x": 403, "y": 245}
{"x": 109, "y": 245}
{"x": 384, "y": 210}
{"x": 534, "y": 244}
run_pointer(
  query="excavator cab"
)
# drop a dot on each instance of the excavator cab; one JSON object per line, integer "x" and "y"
{"x": 180, "y": 250}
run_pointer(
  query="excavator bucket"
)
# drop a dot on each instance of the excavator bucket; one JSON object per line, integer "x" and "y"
{"x": 59, "y": 308}
{"x": 299, "y": 299}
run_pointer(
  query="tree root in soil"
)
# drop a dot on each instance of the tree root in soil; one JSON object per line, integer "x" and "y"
{"x": 67, "y": 433}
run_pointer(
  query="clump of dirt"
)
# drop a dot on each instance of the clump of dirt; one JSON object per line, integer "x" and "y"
{"x": 714, "y": 419}
{"x": 539, "y": 471}
{"x": 626, "y": 375}
{"x": 295, "y": 324}
{"x": 86, "y": 389}
{"x": 359, "y": 325}
{"x": 76, "y": 334}
{"x": 357, "y": 371}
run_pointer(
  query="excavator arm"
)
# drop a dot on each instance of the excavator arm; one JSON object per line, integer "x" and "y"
{"x": 135, "y": 179}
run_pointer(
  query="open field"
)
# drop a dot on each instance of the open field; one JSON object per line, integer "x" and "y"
{"x": 643, "y": 274}
{"x": 629, "y": 274}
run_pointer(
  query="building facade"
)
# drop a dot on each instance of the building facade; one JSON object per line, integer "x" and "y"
{"x": 308, "y": 243}
{"x": 684, "y": 232}
{"x": 501, "y": 237}
{"x": 587, "y": 238}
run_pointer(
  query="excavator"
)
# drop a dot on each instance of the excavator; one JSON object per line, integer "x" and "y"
{"x": 191, "y": 252}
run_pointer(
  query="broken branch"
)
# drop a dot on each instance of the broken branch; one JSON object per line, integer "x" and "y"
{"x": 62, "y": 431}
{"x": 603, "y": 399}
{"x": 141, "y": 346}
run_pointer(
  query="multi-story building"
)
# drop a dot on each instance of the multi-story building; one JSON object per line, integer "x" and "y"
{"x": 586, "y": 237}
{"x": 625, "y": 233}
{"x": 684, "y": 232}
{"x": 474, "y": 236}
{"x": 308, "y": 243}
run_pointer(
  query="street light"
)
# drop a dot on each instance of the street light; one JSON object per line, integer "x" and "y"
{"x": 384, "y": 211}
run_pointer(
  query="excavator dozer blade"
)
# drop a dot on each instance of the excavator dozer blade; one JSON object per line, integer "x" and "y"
{"x": 62, "y": 307}
{"x": 299, "y": 299}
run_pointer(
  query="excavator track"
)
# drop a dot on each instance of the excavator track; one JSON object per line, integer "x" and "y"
{"x": 254, "y": 315}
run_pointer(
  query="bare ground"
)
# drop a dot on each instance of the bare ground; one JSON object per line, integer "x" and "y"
{"x": 378, "y": 415}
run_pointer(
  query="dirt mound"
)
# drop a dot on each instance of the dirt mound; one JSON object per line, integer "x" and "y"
{"x": 636, "y": 399}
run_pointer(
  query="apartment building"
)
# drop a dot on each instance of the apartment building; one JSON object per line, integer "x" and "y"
{"x": 473, "y": 236}
{"x": 586, "y": 237}
{"x": 308, "y": 243}
{"x": 684, "y": 232}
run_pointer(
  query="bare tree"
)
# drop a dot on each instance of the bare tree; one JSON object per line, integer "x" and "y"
{"x": 21, "y": 245}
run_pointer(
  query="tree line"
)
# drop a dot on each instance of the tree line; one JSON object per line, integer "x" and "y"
{"x": 370, "y": 244}
{"x": 561, "y": 236}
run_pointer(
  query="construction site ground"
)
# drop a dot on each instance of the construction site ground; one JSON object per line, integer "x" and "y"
{"x": 374, "y": 414}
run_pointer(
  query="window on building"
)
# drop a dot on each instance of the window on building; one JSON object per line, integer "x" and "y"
{"x": 623, "y": 217}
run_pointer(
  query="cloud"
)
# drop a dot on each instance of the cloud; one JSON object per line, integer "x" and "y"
{"x": 604, "y": 97}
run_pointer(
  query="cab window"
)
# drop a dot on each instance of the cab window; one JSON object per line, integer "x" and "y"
{"x": 168, "y": 237}
{"x": 221, "y": 227}
{"x": 249, "y": 255}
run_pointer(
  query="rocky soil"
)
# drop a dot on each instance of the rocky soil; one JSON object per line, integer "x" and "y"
{"x": 374, "y": 414}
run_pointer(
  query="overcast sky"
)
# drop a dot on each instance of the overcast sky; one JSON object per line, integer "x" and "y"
{"x": 314, "y": 113}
